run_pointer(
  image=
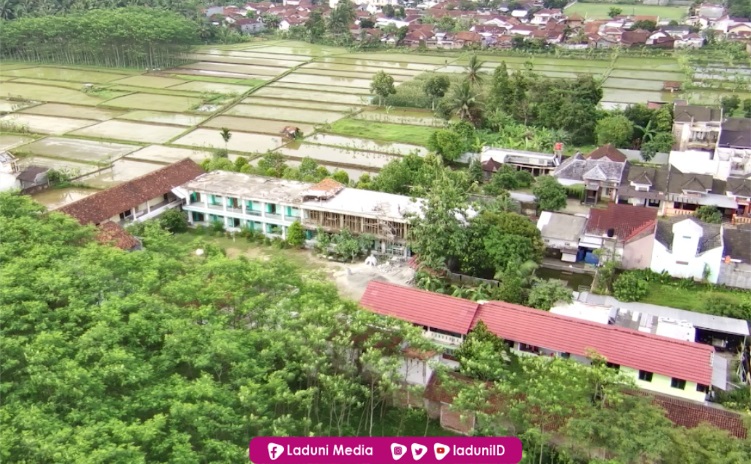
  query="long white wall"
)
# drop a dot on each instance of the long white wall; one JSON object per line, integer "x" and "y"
{"x": 664, "y": 260}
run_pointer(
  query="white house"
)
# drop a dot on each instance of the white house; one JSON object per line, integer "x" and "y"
{"x": 562, "y": 232}
{"x": 688, "y": 248}
{"x": 8, "y": 171}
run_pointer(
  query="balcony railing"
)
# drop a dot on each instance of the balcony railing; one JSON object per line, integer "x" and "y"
{"x": 253, "y": 212}
{"x": 447, "y": 339}
{"x": 273, "y": 216}
{"x": 216, "y": 206}
{"x": 233, "y": 209}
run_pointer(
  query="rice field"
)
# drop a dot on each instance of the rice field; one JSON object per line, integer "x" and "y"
{"x": 600, "y": 10}
{"x": 86, "y": 118}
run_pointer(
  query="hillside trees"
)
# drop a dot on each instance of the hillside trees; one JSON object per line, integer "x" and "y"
{"x": 150, "y": 356}
{"x": 124, "y": 37}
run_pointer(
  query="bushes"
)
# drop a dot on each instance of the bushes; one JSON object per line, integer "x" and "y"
{"x": 174, "y": 221}
{"x": 629, "y": 287}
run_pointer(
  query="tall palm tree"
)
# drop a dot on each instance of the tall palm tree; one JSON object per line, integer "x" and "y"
{"x": 464, "y": 102}
{"x": 473, "y": 70}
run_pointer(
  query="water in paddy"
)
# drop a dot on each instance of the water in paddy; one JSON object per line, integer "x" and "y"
{"x": 572, "y": 279}
{"x": 57, "y": 198}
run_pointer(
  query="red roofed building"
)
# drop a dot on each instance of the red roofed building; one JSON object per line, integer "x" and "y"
{"x": 673, "y": 367}
{"x": 445, "y": 318}
{"x": 661, "y": 364}
{"x": 624, "y": 231}
{"x": 139, "y": 199}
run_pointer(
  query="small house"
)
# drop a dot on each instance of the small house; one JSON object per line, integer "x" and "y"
{"x": 291, "y": 132}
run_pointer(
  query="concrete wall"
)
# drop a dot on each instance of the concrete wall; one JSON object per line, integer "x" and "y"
{"x": 416, "y": 371}
{"x": 685, "y": 242}
{"x": 661, "y": 384}
{"x": 7, "y": 181}
{"x": 637, "y": 254}
{"x": 735, "y": 275}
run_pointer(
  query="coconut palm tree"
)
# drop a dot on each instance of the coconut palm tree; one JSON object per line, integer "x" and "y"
{"x": 473, "y": 70}
{"x": 226, "y": 135}
{"x": 464, "y": 102}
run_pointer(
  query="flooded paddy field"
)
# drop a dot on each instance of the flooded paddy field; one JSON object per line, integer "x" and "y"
{"x": 53, "y": 125}
{"x": 63, "y": 74}
{"x": 46, "y": 93}
{"x": 338, "y": 156}
{"x": 244, "y": 59}
{"x": 57, "y": 198}
{"x": 8, "y": 106}
{"x": 402, "y": 116}
{"x": 74, "y": 168}
{"x": 285, "y": 114}
{"x": 253, "y": 100}
{"x": 178, "y": 119}
{"x": 255, "y": 125}
{"x": 240, "y": 141}
{"x": 91, "y": 151}
{"x": 8, "y": 142}
{"x": 371, "y": 70}
{"x": 118, "y": 172}
{"x": 332, "y": 81}
{"x": 365, "y": 144}
{"x": 149, "y": 81}
{"x": 84, "y": 112}
{"x": 348, "y": 74}
{"x": 319, "y": 96}
{"x": 216, "y": 87}
{"x": 167, "y": 155}
{"x": 147, "y": 101}
{"x": 131, "y": 131}
{"x": 362, "y": 91}
{"x": 234, "y": 68}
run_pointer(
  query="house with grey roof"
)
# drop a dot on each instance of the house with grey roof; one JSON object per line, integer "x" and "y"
{"x": 688, "y": 248}
{"x": 696, "y": 127}
{"x": 734, "y": 145}
{"x": 739, "y": 188}
{"x": 561, "y": 233}
{"x": 600, "y": 173}
{"x": 674, "y": 192}
{"x": 735, "y": 269}
{"x": 32, "y": 176}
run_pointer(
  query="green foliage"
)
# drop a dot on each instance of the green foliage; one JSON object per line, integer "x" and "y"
{"x": 729, "y": 104}
{"x": 486, "y": 357}
{"x": 341, "y": 176}
{"x": 546, "y": 293}
{"x": 341, "y": 17}
{"x": 495, "y": 239}
{"x": 382, "y": 85}
{"x": 644, "y": 24}
{"x": 464, "y": 102}
{"x": 226, "y": 135}
{"x": 507, "y": 178}
{"x": 174, "y": 221}
{"x": 164, "y": 356}
{"x": 549, "y": 194}
{"x": 348, "y": 246}
{"x": 662, "y": 142}
{"x": 315, "y": 25}
{"x": 709, "y": 214}
{"x": 473, "y": 68}
{"x": 722, "y": 305}
{"x": 614, "y": 11}
{"x": 217, "y": 226}
{"x": 446, "y": 143}
{"x": 435, "y": 87}
{"x": 616, "y": 129}
{"x": 296, "y": 234}
{"x": 629, "y": 287}
{"x": 133, "y": 37}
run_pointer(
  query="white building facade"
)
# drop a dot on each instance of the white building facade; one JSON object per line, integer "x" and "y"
{"x": 270, "y": 206}
{"x": 687, "y": 248}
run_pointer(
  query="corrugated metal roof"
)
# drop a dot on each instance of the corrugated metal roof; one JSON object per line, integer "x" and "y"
{"x": 625, "y": 347}
{"x": 420, "y": 307}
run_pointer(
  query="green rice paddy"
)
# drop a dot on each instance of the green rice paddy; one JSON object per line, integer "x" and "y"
{"x": 88, "y": 117}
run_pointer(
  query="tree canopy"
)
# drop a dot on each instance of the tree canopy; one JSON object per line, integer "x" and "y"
{"x": 161, "y": 355}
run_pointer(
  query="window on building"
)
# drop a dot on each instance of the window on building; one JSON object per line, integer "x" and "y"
{"x": 678, "y": 383}
{"x": 565, "y": 355}
{"x": 702, "y": 388}
{"x": 215, "y": 200}
{"x": 271, "y": 208}
{"x": 235, "y": 222}
{"x": 614, "y": 366}
{"x": 528, "y": 348}
{"x": 645, "y": 376}
{"x": 195, "y": 197}
{"x": 198, "y": 217}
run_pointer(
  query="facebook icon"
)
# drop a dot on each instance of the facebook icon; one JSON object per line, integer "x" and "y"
{"x": 275, "y": 451}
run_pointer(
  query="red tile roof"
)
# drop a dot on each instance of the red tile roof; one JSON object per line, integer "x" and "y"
{"x": 111, "y": 202}
{"x": 626, "y": 347}
{"x": 608, "y": 151}
{"x": 626, "y": 220}
{"x": 114, "y": 234}
{"x": 420, "y": 307}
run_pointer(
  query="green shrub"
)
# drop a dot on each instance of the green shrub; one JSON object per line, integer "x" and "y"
{"x": 629, "y": 287}
{"x": 217, "y": 227}
{"x": 174, "y": 221}
{"x": 296, "y": 235}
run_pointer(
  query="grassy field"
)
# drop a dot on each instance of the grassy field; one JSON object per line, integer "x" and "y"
{"x": 600, "y": 10}
{"x": 690, "y": 299}
{"x": 416, "y": 135}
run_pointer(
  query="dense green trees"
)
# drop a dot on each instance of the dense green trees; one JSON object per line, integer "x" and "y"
{"x": 549, "y": 194}
{"x": 382, "y": 85}
{"x": 616, "y": 129}
{"x": 15, "y": 9}
{"x": 124, "y": 37}
{"x": 164, "y": 356}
